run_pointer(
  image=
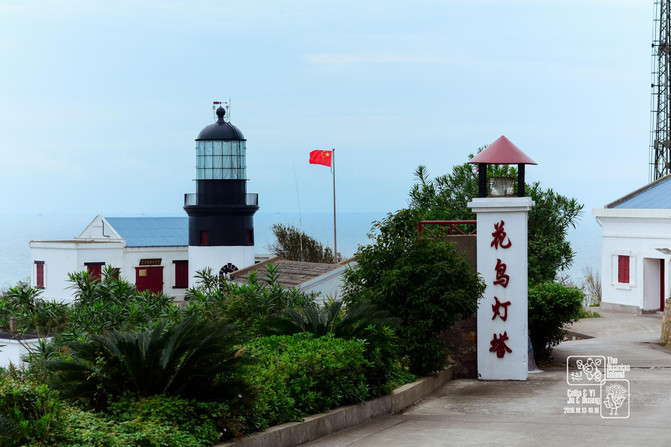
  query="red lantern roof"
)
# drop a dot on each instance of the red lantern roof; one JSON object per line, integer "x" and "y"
{"x": 503, "y": 152}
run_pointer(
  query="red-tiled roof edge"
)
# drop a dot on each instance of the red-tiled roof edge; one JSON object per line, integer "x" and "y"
{"x": 503, "y": 151}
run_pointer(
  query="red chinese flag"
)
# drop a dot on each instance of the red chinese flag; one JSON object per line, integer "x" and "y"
{"x": 320, "y": 158}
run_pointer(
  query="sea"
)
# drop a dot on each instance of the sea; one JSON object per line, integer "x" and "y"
{"x": 17, "y": 230}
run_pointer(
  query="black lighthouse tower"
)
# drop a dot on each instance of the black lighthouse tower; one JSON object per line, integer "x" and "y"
{"x": 221, "y": 212}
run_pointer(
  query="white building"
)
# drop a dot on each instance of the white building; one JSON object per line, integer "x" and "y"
{"x": 636, "y": 248}
{"x": 150, "y": 252}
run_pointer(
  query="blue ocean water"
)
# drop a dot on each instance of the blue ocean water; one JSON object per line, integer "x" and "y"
{"x": 17, "y": 230}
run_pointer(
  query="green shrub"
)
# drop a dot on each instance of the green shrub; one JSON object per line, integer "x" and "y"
{"x": 33, "y": 414}
{"x": 206, "y": 422}
{"x": 87, "y": 428}
{"x": 32, "y": 411}
{"x": 363, "y": 321}
{"x": 427, "y": 284}
{"x": 112, "y": 303}
{"x": 300, "y": 375}
{"x": 248, "y": 306}
{"x": 551, "y": 306}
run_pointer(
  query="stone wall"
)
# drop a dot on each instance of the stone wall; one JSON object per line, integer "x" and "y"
{"x": 461, "y": 342}
{"x": 461, "y": 339}
{"x": 666, "y": 322}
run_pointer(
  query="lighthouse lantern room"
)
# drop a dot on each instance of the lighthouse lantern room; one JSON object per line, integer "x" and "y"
{"x": 221, "y": 212}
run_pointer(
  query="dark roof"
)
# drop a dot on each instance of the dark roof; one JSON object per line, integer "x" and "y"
{"x": 290, "y": 273}
{"x": 655, "y": 195}
{"x": 221, "y": 130}
{"x": 152, "y": 231}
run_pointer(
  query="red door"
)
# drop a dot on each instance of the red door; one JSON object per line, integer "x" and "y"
{"x": 149, "y": 278}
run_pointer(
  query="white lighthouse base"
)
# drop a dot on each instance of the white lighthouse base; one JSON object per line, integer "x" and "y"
{"x": 217, "y": 258}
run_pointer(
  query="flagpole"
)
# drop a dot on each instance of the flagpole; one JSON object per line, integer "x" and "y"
{"x": 335, "y": 237}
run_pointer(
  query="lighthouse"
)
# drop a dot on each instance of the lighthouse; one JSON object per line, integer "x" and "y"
{"x": 221, "y": 212}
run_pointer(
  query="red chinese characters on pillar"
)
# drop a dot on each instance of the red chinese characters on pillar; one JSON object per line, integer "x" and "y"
{"x": 499, "y": 235}
{"x": 499, "y": 345}
{"x": 497, "y": 309}
{"x": 500, "y": 309}
{"x": 501, "y": 277}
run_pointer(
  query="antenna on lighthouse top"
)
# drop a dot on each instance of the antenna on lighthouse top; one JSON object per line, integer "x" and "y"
{"x": 226, "y": 105}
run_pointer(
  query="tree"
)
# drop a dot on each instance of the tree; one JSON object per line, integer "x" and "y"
{"x": 446, "y": 198}
{"x": 427, "y": 284}
{"x": 294, "y": 245}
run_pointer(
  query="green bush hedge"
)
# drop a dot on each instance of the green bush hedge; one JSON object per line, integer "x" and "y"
{"x": 551, "y": 306}
{"x": 299, "y": 375}
{"x": 33, "y": 411}
{"x": 34, "y": 415}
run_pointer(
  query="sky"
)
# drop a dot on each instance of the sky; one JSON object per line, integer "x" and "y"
{"x": 100, "y": 102}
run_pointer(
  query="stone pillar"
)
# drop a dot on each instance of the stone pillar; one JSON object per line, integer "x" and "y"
{"x": 503, "y": 264}
{"x": 666, "y": 323}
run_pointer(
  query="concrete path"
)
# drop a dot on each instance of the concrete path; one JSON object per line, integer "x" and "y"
{"x": 533, "y": 413}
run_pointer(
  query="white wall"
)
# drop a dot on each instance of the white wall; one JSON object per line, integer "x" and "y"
{"x": 327, "y": 285}
{"x": 11, "y": 351}
{"x": 215, "y": 257}
{"x": 61, "y": 258}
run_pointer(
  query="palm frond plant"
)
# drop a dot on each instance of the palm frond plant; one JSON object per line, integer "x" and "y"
{"x": 331, "y": 318}
{"x": 194, "y": 359}
{"x": 8, "y": 430}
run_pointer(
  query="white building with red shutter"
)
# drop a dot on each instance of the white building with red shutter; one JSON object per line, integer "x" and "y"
{"x": 150, "y": 252}
{"x": 636, "y": 248}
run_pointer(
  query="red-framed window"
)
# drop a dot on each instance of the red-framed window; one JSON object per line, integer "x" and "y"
{"x": 39, "y": 274}
{"x": 204, "y": 237}
{"x": 95, "y": 269}
{"x": 181, "y": 274}
{"x": 623, "y": 269}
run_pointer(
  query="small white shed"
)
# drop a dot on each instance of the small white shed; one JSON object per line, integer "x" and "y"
{"x": 636, "y": 248}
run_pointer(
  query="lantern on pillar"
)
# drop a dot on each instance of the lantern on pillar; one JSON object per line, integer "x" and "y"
{"x": 501, "y": 152}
